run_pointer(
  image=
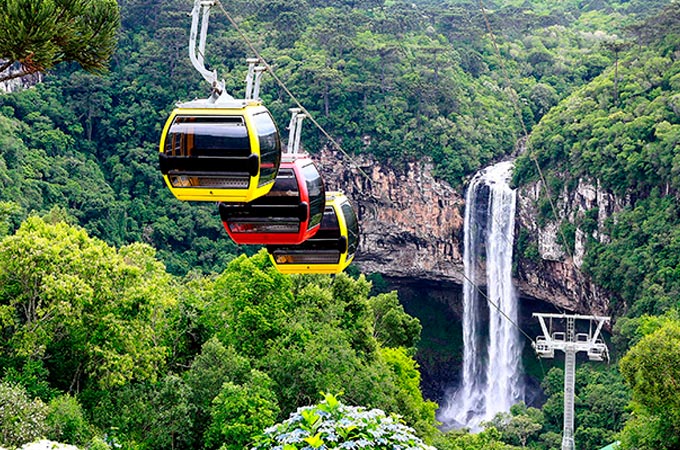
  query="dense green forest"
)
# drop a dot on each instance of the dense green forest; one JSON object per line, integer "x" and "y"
{"x": 129, "y": 318}
{"x": 622, "y": 131}
{"x": 417, "y": 78}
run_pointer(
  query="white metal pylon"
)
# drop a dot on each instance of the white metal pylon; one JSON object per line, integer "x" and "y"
{"x": 570, "y": 342}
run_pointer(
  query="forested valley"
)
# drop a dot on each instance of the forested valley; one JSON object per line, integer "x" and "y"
{"x": 130, "y": 319}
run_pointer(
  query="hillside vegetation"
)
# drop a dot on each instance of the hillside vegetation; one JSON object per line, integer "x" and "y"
{"x": 130, "y": 318}
{"x": 622, "y": 132}
{"x": 400, "y": 80}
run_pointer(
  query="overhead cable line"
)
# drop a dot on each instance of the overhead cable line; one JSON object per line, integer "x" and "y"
{"x": 518, "y": 111}
{"x": 528, "y": 145}
{"x": 339, "y": 147}
{"x": 285, "y": 88}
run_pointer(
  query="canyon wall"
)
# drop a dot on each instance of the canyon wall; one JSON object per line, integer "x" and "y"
{"x": 18, "y": 83}
{"x": 553, "y": 272}
{"x": 412, "y": 227}
{"x": 411, "y": 224}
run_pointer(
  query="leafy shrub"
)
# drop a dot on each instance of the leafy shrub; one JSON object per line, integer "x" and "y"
{"x": 240, "y": 412}
{"x": 21, "y": 419}
{"x": 66, "y": 421}
{"x": 331, "y": 424}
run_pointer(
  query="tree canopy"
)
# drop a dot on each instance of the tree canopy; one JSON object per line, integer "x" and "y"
{"x": 39, "y": 34}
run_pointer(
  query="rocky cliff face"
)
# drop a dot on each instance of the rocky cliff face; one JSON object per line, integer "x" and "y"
{"x": 411, "y": 224}
{"x": 555, "y": 273}
{"x": 16, "y": 84}
{"x": 412, "y": 227}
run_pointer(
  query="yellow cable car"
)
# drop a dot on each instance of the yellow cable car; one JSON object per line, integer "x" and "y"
{"x": 229, "y": 151}
{"x": 330, "y": 250}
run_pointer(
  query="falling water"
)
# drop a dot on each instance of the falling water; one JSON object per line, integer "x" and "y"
{"x": 492, "y": 373}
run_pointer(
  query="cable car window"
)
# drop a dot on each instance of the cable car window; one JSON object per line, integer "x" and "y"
{"x": 285, "y": 186}
{"x": 270, "y": 146}
{"x": 208, "y": 136}
{"x": 254, "y": 225}
{"x": 329, "y": 223}
{"x": 316, "y": 192}
{"x": 352, "y": 228}
{"x": 304, "y": 257}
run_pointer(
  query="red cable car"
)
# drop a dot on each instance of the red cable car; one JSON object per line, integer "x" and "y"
{"x": 289, "y": 214}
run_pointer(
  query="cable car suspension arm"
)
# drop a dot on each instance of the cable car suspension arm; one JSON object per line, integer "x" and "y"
{"x": 201, "y": 13}
{"x": 295, "y": 131}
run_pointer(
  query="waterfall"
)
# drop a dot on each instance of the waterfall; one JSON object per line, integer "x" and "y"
{"x": 492, "y": 372}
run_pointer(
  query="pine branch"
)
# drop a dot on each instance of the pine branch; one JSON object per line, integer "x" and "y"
{"x": 6, "y": 66}
{"x": 19, "y": 74}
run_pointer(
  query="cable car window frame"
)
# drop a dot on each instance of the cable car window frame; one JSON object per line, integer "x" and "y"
{"x": 330, "y": 225}
{"x": 288, "y": 178}
{"x": 260, "y": 225}
{"x": 316, "y": 193}
{"x": 323, "y": 256}
{"x": 270, "y": 146}
{"x": 352, "y": 224}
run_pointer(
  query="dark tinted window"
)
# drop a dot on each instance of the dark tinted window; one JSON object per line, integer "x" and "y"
{"x": 317, "y": 194}
{"x": 329, "y": 223}
{"x": 270, "y": 146}
{"x": 352, "y": 228}
{"x": 285, "y": 192}
{"x": 208, "y": 136}
{"x": 286, "y": 185}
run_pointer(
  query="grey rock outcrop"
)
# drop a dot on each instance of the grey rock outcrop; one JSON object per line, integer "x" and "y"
{"x": 410, "y": 222}
{"x": 412, "y": 227}
{"x": 556, "y": 274}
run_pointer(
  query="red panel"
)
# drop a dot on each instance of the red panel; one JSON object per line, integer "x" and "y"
{"x": 281, "y": 217}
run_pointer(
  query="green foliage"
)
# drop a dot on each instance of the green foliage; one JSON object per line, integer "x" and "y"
{"x": 240, "y": 412}
{"x": 22, "y": 420}
{"x": 519, "y": 425}
{"x": 392, "y": 326}
{"x": 620, "y": 132}
{"x": 89, "y": 312}
{"x": 600, "y": 409}
{"x": 41, "y": 34}
{"x": 640, "y": 262}
{"x": 67, "y": 422}
{"x": 158, "y": 361}
{"x": 210, "y": 370}
{"x": 488, "y": 439}
{"x": 651, "y": 368}
{"x": 332, "y": 424}
{"x": 104, "y": 324}
{"x": 407, "y": 396}
{"x": 148, "y": 415}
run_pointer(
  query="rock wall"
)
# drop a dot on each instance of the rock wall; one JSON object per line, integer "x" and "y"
{"x": 412, "y": 228}
{"x": 16, "y": 84}
{"x": 556, "y": 276}
{"x": 411, "y": 224}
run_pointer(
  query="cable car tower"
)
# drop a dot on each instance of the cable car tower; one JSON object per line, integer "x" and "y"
{"x": 570, "y": 342}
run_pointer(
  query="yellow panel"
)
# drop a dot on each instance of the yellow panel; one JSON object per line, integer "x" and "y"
{"x": 334, "y": 199}
{"x": 310, "y": 268}
{"x": 213, "y": 194}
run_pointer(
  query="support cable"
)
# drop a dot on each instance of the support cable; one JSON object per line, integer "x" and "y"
{"x": 339, "y": 147}
{"x": 518, "y": 111}
{"x": 290, "y": 94}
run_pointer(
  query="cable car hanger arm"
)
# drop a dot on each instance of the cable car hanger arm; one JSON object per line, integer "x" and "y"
{"x": 201, "y": 13}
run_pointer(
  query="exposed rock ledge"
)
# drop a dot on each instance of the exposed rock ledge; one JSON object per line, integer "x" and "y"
{"x": 412, "y": 227}
{"x": 16, "y": 84}
{"x": 557, "y": 276}
{"x": 410, "y": 222}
